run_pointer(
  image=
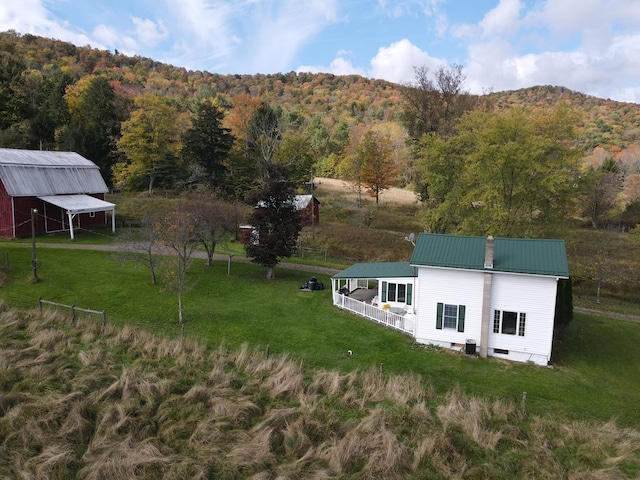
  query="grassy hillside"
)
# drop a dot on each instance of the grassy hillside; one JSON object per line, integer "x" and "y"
{"x": 82, "y": 401}
{"x": 244, "y": 307}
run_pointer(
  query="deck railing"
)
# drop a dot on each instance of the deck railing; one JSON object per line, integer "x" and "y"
{"x": 390, "y": 319}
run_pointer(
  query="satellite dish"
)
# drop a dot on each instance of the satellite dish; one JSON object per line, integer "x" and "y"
{"x": 411, "y": 238}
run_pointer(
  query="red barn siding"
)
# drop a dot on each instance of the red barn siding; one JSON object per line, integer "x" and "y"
{"x": 49, "y": 219}
{"x": 6, "y": 213}
{"x": 311, "y": 214}
{"x": 22, "y": 216}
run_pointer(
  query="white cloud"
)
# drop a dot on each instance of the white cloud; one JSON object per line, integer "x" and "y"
{"x": 202, "y": 30}
{"x": 106, "y": 35}
{"x": 503, "y": 19}
{"x": 31, "y": 16}
{"x": 113, "y": 39}
{"x": 149, "y": 32}
{"x": 583, "y": 45}
{"x": 396, "y": 62}
{"x": 247, "y": 35}
{"x": 339, "y": 66}
{"x": 282, "y": 30}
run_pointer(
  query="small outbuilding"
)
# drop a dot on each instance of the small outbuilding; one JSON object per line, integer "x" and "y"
{"x": 309, "y": 208}
{"x": 66, "y": 189}
{"x": 307, "y": 205}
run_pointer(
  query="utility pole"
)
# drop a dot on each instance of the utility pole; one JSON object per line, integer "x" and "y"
{"x": 34, "y": 259}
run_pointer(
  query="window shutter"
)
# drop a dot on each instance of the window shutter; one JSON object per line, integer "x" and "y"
{"x": 439, "y": 316}
{"x": 384, "y": 292}
{"x": 461, "y": 312}
{"x": 409, "y": 293}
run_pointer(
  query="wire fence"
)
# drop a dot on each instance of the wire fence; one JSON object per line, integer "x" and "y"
{"x": 76, "y": 312}
{"x": 312, "y": 253}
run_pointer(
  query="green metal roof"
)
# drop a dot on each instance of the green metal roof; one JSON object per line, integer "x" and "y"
{"x": 378, "y": 270}
{"x": 517, "y": 255}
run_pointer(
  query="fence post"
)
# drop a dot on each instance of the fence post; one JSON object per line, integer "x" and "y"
{"x": 40, "y": 303}
{"x": 104, "y": 318}
{"x": 266, "y": 354}
{"x": 524, "y": 402}
{"x": 73, "y": 314}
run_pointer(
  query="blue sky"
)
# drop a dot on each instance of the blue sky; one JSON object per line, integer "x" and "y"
{"x": 592, "y": 46}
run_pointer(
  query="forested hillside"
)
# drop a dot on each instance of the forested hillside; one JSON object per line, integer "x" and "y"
{"x": 606, "y": 123}
{"x": 149, "y": 124}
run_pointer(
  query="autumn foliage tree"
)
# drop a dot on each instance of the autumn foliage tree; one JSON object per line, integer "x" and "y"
{"x": 504, "y": 172}
{"x": 600, "y": 183}
{"x": 378, "y": 169}
{"x": 150, "y": 144}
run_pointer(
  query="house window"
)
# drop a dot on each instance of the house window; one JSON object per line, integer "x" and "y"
{"x": 450, "y": 316}
{"x": 392, "y": 292}
{"x": 397, "y": 292}
{"x": 496, "y": 321}
{"x": 402, "y": 292}
{"x": 92, "y": 214}
{"x": 509, "y": 323}
{"x": 523, "y": 317}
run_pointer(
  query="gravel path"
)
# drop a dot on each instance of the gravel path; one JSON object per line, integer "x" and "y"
{"x": 217, "y": 256}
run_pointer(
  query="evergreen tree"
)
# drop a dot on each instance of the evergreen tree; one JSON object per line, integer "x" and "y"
{"x": 207, "y": 143}
{"x": 94, "y": 122}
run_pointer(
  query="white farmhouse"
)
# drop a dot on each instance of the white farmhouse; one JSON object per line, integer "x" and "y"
{"x": 496, "y": 297}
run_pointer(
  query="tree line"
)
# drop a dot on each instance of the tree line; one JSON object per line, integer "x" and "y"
{"x": 479, "y": 165}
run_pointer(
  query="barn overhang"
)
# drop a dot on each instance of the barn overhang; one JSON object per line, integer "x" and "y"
{"x": 80, "y": 203}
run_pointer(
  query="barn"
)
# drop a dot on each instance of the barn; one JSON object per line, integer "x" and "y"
{"x": 309, "y": 208}
{"x": 65, "y": 189}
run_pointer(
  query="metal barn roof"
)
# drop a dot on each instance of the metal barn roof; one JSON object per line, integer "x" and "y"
{"x": 515, "y": 255}
{"x": 29, "y": 173}
{"x": 79, "y": 203}
{"x": 302, "y": 201}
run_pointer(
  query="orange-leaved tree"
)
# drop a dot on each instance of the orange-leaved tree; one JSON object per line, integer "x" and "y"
{"x": 379, "y": 170}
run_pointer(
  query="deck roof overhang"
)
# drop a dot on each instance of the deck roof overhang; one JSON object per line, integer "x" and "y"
{"x": 80, "y": 203}
{"x": 378, "y": 270}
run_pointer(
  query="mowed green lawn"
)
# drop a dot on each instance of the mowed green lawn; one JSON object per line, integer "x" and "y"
{"x": 596, "y": 373}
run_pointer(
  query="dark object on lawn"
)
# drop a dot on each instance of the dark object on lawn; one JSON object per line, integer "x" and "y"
{"x": 312, "y": 284}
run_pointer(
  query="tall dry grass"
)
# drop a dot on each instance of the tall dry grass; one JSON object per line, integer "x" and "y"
{"x": 93, "y": 402}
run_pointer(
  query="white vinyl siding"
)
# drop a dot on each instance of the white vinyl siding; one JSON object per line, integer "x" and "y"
{"x": 534, "y": 320}
{"x": 535, "y": 315}
{"x": 448, "y": 287}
